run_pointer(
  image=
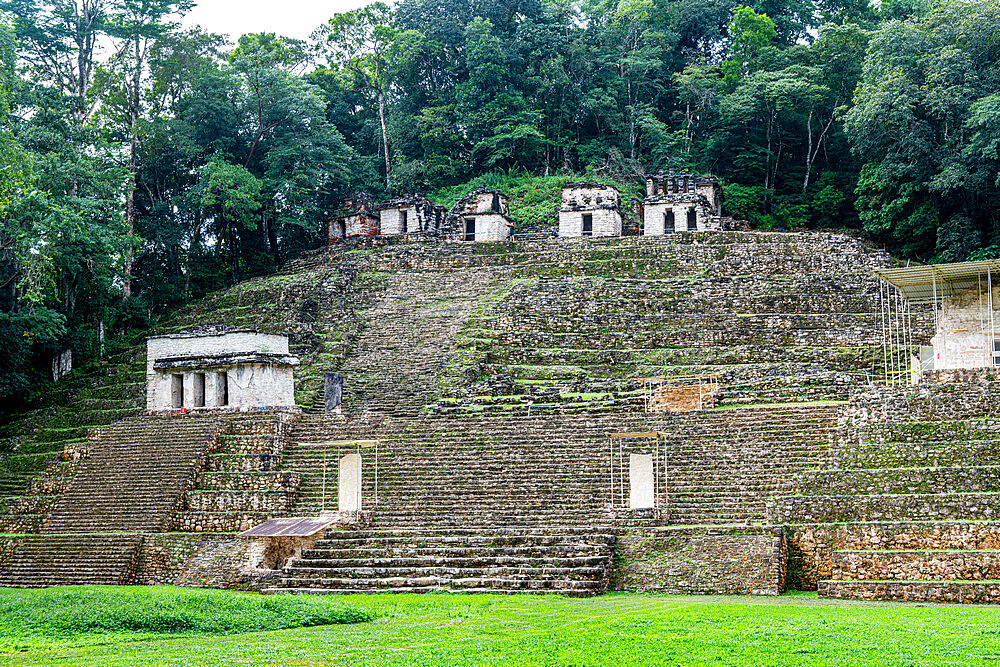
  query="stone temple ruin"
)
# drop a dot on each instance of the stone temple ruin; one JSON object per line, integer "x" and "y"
{"x": 483, "y": 215}
{"x": 357, "y": 218}
{"x": 412, "y": 214}
{"x": 961, "y": 298}
{"x": 680, "y": 202}
{"x": 724, "y": 412}
{"x": 234, "y": 369}
{"x": 590, "y": 209}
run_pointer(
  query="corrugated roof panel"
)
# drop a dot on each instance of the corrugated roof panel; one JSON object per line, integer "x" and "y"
{"x": 920, "y": 284}
{"x": 289, "y": 527}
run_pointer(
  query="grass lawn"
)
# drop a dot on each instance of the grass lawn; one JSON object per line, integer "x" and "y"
{"x": 508, "y": 631}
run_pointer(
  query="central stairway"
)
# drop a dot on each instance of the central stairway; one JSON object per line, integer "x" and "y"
{"x": 572, "y": 561}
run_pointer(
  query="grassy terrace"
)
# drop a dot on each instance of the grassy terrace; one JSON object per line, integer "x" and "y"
{"x": 114, "y": 626}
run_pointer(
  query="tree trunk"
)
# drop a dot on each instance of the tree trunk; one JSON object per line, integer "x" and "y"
{"x": 385, "y": 134}
{"x": 132, "y": 168}
{"x": 809, "y": 152}
{"x": 130, "y": 215}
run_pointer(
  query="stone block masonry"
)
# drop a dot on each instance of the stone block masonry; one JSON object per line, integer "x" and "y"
{"x": 590, "y": 209}
{"x": 491, "y": 374}
{"x": 908, "y": 505}
{"x": 683, "y": 561}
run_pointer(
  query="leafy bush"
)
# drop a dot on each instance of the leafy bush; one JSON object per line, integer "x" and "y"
{"x": 534, "y": 200}
{"x": 74, "y": 611}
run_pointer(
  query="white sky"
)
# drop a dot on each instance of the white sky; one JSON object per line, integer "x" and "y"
{"x": 291, "y": 18}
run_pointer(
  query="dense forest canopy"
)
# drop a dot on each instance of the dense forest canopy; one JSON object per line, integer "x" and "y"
{"x": 143, "y": 164}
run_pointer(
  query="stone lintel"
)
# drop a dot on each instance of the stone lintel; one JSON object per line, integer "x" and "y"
{"x": 224, "y": 360}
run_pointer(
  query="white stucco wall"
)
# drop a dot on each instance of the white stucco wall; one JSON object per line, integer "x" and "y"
{"x": 960, "y": 340}
{"x": 653, "y": 218}
{"x": 489, "y": 227}
{"x": 711, "y": 193}
{"x": 392, "y": 221}
{"x": 250, "y": 386}
{"x": 607, "y": 222}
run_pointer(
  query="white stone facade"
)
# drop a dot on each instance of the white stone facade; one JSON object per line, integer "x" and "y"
{"x": 480, "y": 216}
{"x": 657, "y": 217}
{"x": 604, "y": 222}
{"x": 412, "y": 214}
{"x": 962, "y": 338}
{"x": 396, "y": 220}
{"x": 590, "y": 209}
{"x": 224, "y": 370}
{"x": 489, "y": 227}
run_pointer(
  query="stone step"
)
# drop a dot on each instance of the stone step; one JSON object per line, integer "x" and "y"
{"x": 965, "y": 592}
{"x": 900, "y": 480}
{"x": 796, "y": 510}
{"x": 936, "y": 564}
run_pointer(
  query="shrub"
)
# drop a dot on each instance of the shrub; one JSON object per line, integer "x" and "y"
{"x": 73, "y": 611}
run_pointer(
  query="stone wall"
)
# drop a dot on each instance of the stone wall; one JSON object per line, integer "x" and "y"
{"x": 654, "y": 215}
{"x": 601, "y": 202}
{"x": 203, "y": 561}
{"x": 962, "y": 339}
{"x": 356, "y": 225}
{"x": 8, "y": 543}
{"x": 680, "y": 399}
{"x": 412, "y": 214}
{"x": 702, "y": 561}
{"x": 241, "y": 369}
{"x": 812, "y": 547}
{"x": 489, "y": 209}
{"x": 606, "y": 222}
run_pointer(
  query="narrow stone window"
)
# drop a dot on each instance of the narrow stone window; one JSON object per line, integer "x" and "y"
{"x": 342, "y": 228}
{"x": 588, "y": 224}
{"x": 692, "y": 220}
{"x": 403, "y": 222}
{"x": 470, "y": 229}
{"x": 199, "y": 390}
{"x": 177, "y": 390}
{"x": 668, "y": 221}
{"x": 996, "y": 353}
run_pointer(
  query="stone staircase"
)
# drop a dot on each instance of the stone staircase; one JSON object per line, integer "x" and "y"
{"x": 405, "y": 337}
{"x": 106, "y": 559}
{"x": 523, "y": 503}
{"x": 721, "y": 465}
{"x": 575, "y": 562}
{"x": 908, "y": 507}
{"x": 132, "y": 479}
{"x": 241, "y": 484}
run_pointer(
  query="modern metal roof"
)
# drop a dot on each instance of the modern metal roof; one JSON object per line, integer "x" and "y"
{"x": 289, "y": 527}
{"x": 920, "y": 284}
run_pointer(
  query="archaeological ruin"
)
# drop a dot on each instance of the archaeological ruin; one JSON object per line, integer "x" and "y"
{"x": 357, "y": 218}
{"x": 677, "y": 202}
{"x": 220, "y": 368}
{"x": 590, "y": 209}
{"x": 704, "y": 412}
{"x": 411, "y": 214}
{"x": 480, "y": 216}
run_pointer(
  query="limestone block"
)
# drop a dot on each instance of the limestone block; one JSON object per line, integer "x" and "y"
{"x": 641, "y": 481}
{"x": 349, "y": 484}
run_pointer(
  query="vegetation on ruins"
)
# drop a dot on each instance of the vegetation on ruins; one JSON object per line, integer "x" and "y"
{"x": 478, "y": 630}
{"x": 144, "y": 165}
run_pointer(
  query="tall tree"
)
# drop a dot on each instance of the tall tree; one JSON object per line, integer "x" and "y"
{"x": 136, "y": 25}
{"x": 359, "y": 41}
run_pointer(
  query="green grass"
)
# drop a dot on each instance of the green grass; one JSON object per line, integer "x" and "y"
{"x": 45, "y": 618}
{"x": 510, "y": 631}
